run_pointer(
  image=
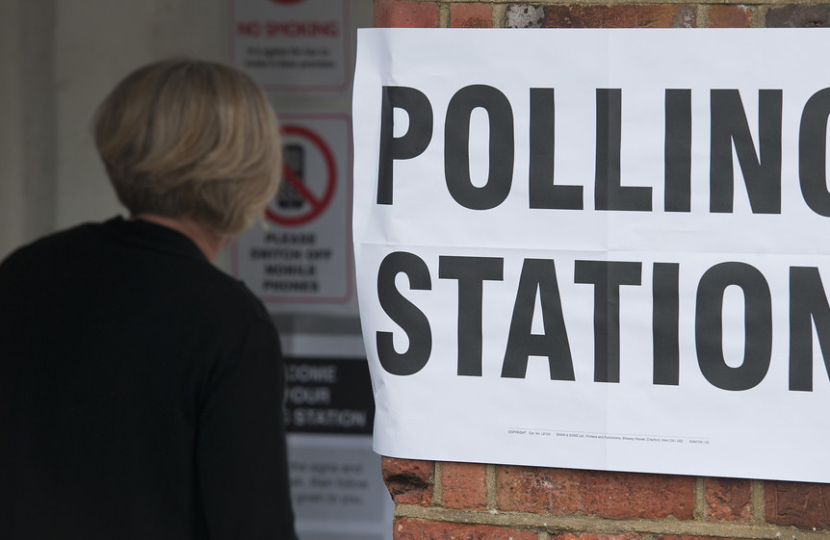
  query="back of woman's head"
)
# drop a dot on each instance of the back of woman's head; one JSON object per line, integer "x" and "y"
{"x": 191, "y": 139}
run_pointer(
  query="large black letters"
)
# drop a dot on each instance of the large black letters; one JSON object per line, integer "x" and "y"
{"x": 709, "y": 326}
{"x": 412, "y": 143}
{"x": 608, "y": 193}
{"x": 678, "y": 151}
{"x": 471, "y": 272}
{"x": 808, "y": 303}
{"x": 607, "y": 277}
{"x": 543, "y": 193}
{"x": 538, "y": 275}
{"x": 411, "y": 319}
{"x": 761, "y": 171}
{"x": 457, "y": 147}
{"x": 665, "y": 320}
{"x": 812, "y": 152}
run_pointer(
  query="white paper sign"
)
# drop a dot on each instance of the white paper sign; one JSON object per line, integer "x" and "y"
{"x": 598, "y": 249}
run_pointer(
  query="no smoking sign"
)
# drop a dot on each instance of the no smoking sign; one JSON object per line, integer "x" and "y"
{"x": 303, "y": 255}
{"x": 292, "y": 45}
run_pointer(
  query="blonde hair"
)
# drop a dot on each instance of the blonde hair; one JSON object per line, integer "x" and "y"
{"x": 191, "y": 139}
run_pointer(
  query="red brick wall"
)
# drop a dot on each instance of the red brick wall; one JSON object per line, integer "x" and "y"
{"x": 463, "y": 501}
{"x": 604, "y": 14}
{"x": 470, "y": 501}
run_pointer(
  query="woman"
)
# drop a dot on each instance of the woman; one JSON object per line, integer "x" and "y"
{"x": 140, "y": 387}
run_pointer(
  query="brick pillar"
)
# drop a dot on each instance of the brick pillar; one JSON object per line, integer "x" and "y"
{"x": 470, "y": 501}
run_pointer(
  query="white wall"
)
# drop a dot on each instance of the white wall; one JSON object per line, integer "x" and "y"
{"x": 58, "y": 59}
{"x": 27, "y": 110}
{"x": 98, "y": 42}
{"x": 11, "y": 163}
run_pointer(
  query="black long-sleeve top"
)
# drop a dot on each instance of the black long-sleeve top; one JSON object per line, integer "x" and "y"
{"x": 140, "y": 393}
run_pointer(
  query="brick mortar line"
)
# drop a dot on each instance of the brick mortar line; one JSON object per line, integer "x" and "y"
{"x": 499, "y": 15}
{"x": 583, "y": 524}
{"x": 757, "y": 502}
{"x": 490, "y": 483}
{"x": 444, "y": 15}
{"x": 702, "y": 16}
{"x": 700, "y": 499}
{"x": 759, "y": 16}
{"x": 437, "y": 485}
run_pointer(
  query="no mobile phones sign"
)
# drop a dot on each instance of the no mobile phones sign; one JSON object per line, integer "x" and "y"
{"x": 303, "y": 255}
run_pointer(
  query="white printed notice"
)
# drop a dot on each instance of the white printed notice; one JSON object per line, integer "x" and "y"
{"x": 337, "y": 488}
{"x": 598, "y": 249}
{"x": 292, "y": 45}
